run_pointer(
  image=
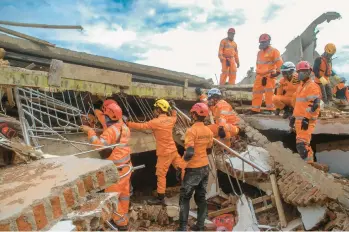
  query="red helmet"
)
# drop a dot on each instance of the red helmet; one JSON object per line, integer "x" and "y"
{"x": 264, "y": 38}
{"x": 200, "y": 108}
{"x": 303, "y": 65}
{"x": 107, "y": 102}
{"x": 231, "y": 30}
{"x": 113, "y": 111}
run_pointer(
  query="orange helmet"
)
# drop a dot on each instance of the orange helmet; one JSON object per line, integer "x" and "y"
{"x": 107, "y": 102}
{"x": 264, "y": 38}
{"x": 200, "y": 108}
{"x": 303, "y": 65}
{"x": 232, "y": 30}
{"x": 112, "y": 110}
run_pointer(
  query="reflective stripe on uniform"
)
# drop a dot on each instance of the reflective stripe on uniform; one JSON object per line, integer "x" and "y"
{"x": 122, "y": 160}
{"x": 104, "y": 142}
{"x": 312, "y": 97}
{"x": 268, "y": 90}
{"x": 305, "y": 99}
{"x": 301, "y": 118}
{"x": 122, "y": 217}
{"x": 117, "y": 132}
{"x": 255, "y": 107}
{"x": 224, "y": 112}
{"x": 232, "y": 72}
{"x": 93, "y": 138}
{"x": 124, "y": 198}
{"x": 258, "y": 91}
{"x": 269, "y": 105}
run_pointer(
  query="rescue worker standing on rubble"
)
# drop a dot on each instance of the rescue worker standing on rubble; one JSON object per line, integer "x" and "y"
{"x": 116, "y": 133}
{"x": 166, "y": 150}
{"x": 323, "y": 71}
{"x": 225, "y": 121}
{"x": 229, "y": 57}
{"x": 198, "y": 143}
{"x": 268, "y": 66}
{"x": 306, "y": 111}
{"x": 288, "y": 85}
{"x": 340, "y": 91}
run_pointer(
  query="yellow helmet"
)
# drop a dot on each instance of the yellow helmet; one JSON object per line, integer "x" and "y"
{"x": 162, "y": 104}
{"x": 330, "y": 48}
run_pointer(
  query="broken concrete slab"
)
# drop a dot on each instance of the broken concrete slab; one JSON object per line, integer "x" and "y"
{"x": 37, "y": 195}
{"x": 66, "y": 225}
{"x": 92, "y": 214}
{"x": 337, "y": 161}
{"x": 246, "y": 219}
{"x": 312, "y": 216}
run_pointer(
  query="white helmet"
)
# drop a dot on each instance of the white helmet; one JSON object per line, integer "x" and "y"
{"x": 213, "y": 91}
{"x": 288, "y": 66}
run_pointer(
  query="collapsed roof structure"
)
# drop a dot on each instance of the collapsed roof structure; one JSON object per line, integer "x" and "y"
{"x": 48, "y": 92}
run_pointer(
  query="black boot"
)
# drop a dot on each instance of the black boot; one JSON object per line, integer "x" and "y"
{"x": 277, "y": 112}
{"x": 159, "y": 200}
{"x": 196, "y": 228}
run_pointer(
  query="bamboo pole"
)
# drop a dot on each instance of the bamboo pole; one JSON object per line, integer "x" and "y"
{"x": 45, "y": 26}
{"x": 278, "y": 202}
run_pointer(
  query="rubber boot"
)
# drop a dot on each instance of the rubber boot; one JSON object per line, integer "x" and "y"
{"x": 159, "y": 200}
{"x": 196, "y": 228}
{"x": 123, "y": 228}
{"x": 287, "y": 112}
{"x": 277, "y": 112}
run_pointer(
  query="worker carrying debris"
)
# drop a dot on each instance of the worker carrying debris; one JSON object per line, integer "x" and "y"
{"x": 340, "y": 91}
{"x": 116, "y": 133}
{"x": 306, "y": 111}
{"x": 166, "y": 150}
{"x": 288, "y": 85}
{"x": 225, "y": 121}
{"x": 229, "y": 57}
{"x": 268, "y": 66}
{"x": 323, "y": 71}
{"x": 198, "y": 140}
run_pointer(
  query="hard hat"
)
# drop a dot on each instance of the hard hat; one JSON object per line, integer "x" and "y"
{"x": 113, "y": 111}
{"x": 288, "y": 66}
{"x": 200, "y": 108}
{"x": 232, "y": 30}
{"x": 213, "y": 91}
{"x": 342, "y": 80}
{"x": 264, "y": 38}
{"x": 330, "y": 48}
{"x": 108, "y": 102}
{"x": 162, "y": 104}
{"x": 303, "y": 65}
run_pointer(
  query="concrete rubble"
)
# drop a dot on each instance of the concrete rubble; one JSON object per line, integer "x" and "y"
{"x": 312, "y": 216}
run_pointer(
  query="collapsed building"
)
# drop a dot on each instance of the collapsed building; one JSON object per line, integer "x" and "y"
{"x": 52, "y": 178}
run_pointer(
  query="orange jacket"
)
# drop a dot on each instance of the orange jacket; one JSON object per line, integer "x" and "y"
{"x": 306, "y": 94}
{"x": 162, "y": 127}
{"x": 322, "y": 68}
{"x": 341, "y": 91}
{"x": 117, "y": 133}
{"x": 228, "y": 49}
{"x": 200, "y": 137}
{"x": 101, "y": 118}
{"x": 223, "y": 113}
{"x": 203, "y": 98}
{"x": 288, "y": 88}
{"x": 268, "y": 61}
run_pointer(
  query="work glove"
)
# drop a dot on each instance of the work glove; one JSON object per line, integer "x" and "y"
{"x": 198, "y": 91}
{"x": 227, "y": 62}
{"x": 315, "y": 105}
{"x": 172, "y": 103}
{"x": 221, "y": 132}
{"x": 188, "y": 154}
{"x": 264, "y": 81}
{"x": 275, "y": 74}
{"x": 85, "y": 128}
{"x": 125, "y": 119}
{"x": 305, "y": 124}
{"x": 292, "y": 121}
{"x": 323, "y": 81}
{"x": 7, "y": 131}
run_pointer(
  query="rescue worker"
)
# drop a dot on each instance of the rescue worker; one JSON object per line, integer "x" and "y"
{"x": 198, "y": 140}
{"x": 323, "y": 70}
{"x": 225, "y": 121}
{"x": 268, "y": 66}
{"x": 202, "y": 97}
{"x": 229, "y": 57}
{"x": 340, "y": 91}
{"x": 166, "y": 150}
{"x": 101, "y": 116}
{"x": 288, "y": 85}
{"x": 116, "y": 133}
{"x": 306, "y": 111}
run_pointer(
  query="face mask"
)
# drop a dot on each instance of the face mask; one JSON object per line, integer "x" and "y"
{"x": 231, "y": 36}
{"x": 263, "y": 45}
{"x": 302, "y": 76}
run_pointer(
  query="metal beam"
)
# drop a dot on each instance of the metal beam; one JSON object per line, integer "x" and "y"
{"x": 45, "y": 26}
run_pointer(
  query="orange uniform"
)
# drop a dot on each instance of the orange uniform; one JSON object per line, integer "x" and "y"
{"x": 224, "y": 116}
{"x": 200, "y": 137}
{"x": 323, "y": 68}
{"x": 268, "y": 61}
{"x": 305, "y": 96}
{"x": 166, "y": 149}
{"x": 285, "y": 92}
{"x": 117, "y": 133}
{"x": 101, "y": 118}
{"x": 228, "y": 50}
{"x": 341, "y": 92}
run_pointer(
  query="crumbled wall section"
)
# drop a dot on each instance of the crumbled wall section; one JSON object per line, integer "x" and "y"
{"x": 37, "y": 195}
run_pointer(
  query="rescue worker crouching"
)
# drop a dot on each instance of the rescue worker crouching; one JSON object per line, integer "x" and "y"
{"x": 288, "y": 85}
{"x": 340, "y": 92}
{"x": 198, "y": 142}
{"x": 225, "y": 121}
{"x": 323, "y": 70}
{"x": 268, "y": 66}
{"x": 116, "y": 133}
{"x": 166, "y": 150}
{"x": 306, "y": 111}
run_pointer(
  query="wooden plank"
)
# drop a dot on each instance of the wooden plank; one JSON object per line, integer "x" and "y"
{"x": 79, "y": 72}
{"x": 278, "y": 202}
{"x": 260, "y": 199}
{"x": 264, "y": 208}
{"x": 222, "y": 211}
{"x": 55, "y": 73}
